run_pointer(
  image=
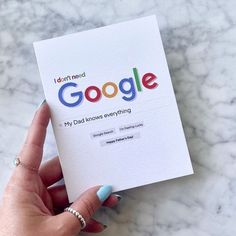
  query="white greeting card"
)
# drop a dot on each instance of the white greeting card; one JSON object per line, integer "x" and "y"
{"x": 113, "y": 108}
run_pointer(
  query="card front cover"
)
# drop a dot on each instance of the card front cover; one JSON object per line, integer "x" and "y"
{"x": 113, "y": 108}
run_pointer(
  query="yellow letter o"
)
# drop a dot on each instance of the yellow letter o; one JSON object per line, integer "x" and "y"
{"x": 104, "y": 87}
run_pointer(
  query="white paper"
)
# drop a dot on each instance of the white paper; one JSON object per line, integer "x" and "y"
{"x": 131, "y": 139}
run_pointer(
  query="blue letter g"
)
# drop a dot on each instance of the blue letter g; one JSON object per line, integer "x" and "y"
{"x": 76, "y": 94}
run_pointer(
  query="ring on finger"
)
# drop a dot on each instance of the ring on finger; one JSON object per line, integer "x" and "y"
{"x": 77, "y": 215}
{"x": 18, "y": 162}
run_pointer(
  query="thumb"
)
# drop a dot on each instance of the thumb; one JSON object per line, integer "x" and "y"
{"x": 86, "y": 205}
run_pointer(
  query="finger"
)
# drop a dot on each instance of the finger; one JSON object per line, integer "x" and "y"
{"x": 50, "y": 171}
{"x": 112, "y": 200}
{"x": 60, "y": 198}
{"x": 86, "y": 205}
{"x": 31, "y": 153}
{"x": 36, "y": 134}
{"x": 94, "y": 226}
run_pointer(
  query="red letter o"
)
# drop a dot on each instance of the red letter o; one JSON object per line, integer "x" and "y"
{"x": 88, "y": 91}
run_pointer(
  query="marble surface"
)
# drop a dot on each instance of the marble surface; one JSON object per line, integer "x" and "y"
{"x": 200, "y": 42}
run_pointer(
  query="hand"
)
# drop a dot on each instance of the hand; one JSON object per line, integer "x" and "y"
{"x": 32, "y": 206}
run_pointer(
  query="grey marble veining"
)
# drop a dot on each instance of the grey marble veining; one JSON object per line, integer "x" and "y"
{"x": 199, "y": 38}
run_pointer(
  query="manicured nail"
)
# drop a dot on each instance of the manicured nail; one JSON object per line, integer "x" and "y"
{"x": 104, "y": 192}
{"x": 118, "y": 197}
{"x": 41, "y": 104}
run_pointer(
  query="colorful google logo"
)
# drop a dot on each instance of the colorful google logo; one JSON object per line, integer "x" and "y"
{"x": 133, "y": 83}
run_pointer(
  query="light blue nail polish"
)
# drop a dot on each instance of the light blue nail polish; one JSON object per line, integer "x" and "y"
{"x": 104, "y": 192}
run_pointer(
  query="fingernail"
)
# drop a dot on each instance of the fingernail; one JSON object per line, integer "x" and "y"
{"x": 118, "y": 197}
{"x": 104, "y": 192}
{"x": 41, "y": 104}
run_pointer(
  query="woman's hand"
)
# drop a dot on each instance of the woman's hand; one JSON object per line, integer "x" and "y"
{"x": 32, "y": 206}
